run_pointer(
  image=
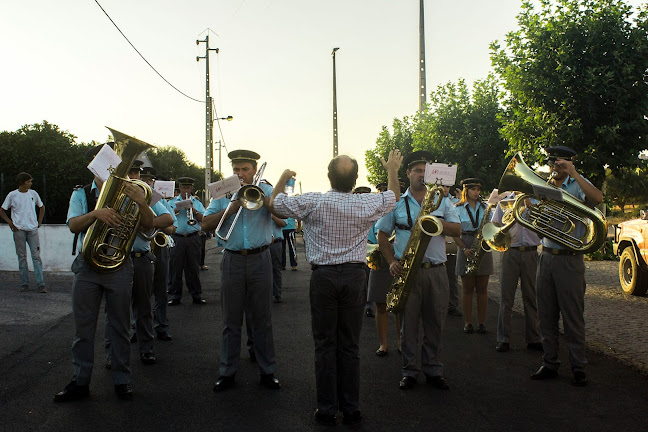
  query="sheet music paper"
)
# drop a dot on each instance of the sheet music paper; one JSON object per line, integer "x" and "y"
{"x": 547, "y": 192}
{"x": 155, "y": 198}
{"x": 438, "y": 173}
{"x": 221, "y": 188}
{"x": 184, "y": 204}
{"x": 104, "y": 163}
{"x": 164, "y": 188}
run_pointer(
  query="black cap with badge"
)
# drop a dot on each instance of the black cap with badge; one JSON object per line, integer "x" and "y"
{"x": 186, "y": 181}
{"x": 418, "y": 156}
{"x": 244, "y": 156}
{"x": 471, "y": 182}
{"x": 149, "y": 172}
{"x": 562, "y": 152}
{"x": 136, "y": 166}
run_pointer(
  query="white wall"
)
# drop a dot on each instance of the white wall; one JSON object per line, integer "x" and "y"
{"x": 55, "y": 243}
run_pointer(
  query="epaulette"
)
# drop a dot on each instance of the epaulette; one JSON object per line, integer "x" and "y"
{"x": 77, "y": 187}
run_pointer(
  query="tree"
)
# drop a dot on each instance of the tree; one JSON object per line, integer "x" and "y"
{"x": 626, "y": 186}
{"x": 172, "y": 162}
{"x": 401, "y": 139}
{"x": 575, "y": 73}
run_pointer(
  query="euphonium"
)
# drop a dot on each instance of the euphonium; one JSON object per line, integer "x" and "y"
{"x": 106, "y": 248}
{"x": 425, "y": 227}
{"x": 497, "y": 237}
{"x": 479, "y": 246}
{"x": 157, "y": 238}
{"x": 558, "y": 220}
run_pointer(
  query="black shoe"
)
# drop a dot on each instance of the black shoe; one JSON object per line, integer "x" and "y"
{"x": 407, "y": 382}
{"x": 468, "y": 328}
{"x": 270, "y": 381}
{"x": 536, "y": 346}
{"x": 502, "y": 347}
{"x": 148, "y": 358}
{"x": 277, "y": 299}
{"x": 454, "y": 312}
{"x": 544, "y": 373}
{"x": 438, "y": 381}
{"x": 108, "y": 364}
{"x": 133, "y": 338}
{"x": 164, "y": 336}
{"x": 223, "y": 383}
{"x": 124, "y": 391}
{"x": 200, "y": 301}
{"x": 72, "y": 392}
{"x": 325, "y": 419}
{"x": 353, "y": 418}
{"x": 369, "y": 313}
{"x": 580, "y": 379}
{"x": 252, "y": 355}
{"x": 481, "y": 328}
{"x": 173, "y": 302}
{"x": 381, "y": 353}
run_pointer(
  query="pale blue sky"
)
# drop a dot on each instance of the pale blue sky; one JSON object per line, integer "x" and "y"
{"x": 64, "y": 62}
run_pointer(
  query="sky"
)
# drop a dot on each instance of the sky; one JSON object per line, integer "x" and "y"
{"x": 65, "y": 62}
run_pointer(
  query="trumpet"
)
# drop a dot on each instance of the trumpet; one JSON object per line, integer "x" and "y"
{"x": 190, "y": 216}
{"x": 250, "y": 197}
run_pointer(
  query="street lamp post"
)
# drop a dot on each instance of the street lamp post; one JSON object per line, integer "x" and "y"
{"x": 335, "y": 125}
{"x": 220, "y": 144}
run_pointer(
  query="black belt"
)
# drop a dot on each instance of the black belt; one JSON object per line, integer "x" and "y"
{"x": 139, "y": 254}
{"x": 186, "y": 235}
{"x": 559, "y": 251}
{"x": 245, "y": 252}
{"x": 525, "y": 248}
{"x": 470, "y": 233}
{"x": 278, "y": 241}
{"x": 349, "y": 265}
{"x": 428, "y": 265}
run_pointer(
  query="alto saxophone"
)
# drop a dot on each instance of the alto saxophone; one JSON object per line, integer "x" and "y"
{"x": 479, "y": 246}
{"x": 425, "y": 227}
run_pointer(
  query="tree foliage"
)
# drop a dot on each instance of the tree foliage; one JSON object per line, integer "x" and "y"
{"x": 575, "y": 73}
{"x": 400, "y": 138}
{"x": 57, "y": 164}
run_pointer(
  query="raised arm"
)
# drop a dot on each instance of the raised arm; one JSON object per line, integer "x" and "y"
{"x": 392, "y": 165}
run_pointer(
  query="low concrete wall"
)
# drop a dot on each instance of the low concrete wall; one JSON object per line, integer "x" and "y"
{"x": 55, "y": 243}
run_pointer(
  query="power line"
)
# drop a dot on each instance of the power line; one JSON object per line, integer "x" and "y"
{"x": 140, "y": 54}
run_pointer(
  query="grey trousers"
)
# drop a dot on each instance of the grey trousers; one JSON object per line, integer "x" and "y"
{"x": 21, "y": 240}
{"x": 337, "y": 298}
{"x": 427, "y": 302}
{"x": 275, "y": 253}
{"x": 453, "y": 283}
{"x": 185, "y": 259}
{"x": 561, "y": 291}
{"x": 142, "y": 310}
{"x": 246, "y": 287}
{"x": 517, "y": 265}
{"x": 160, "y": 278}
{"x": 88, "y": 289}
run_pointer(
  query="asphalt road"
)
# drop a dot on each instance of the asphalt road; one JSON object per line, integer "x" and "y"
{"x": 490, "y": 391}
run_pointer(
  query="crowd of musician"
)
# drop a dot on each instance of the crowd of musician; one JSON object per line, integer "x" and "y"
{"x": 424, "y": 239}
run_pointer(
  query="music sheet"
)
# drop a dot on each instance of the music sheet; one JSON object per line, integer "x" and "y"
{"x": 104, "y": 163}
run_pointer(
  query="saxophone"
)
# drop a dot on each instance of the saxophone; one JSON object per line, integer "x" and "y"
{"x": 479, "y": 246}
{"x": 425, "y": 227}
{"x": 106, "y": 248}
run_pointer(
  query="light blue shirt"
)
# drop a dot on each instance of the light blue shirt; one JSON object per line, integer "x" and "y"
{"x": 182, "y": 226}
{"x": 372, "y": 237}
{"x": 253, "y": 229}
{"x": 277, "y": 231}
{"x": 142, "y": 245}
{"x": 570, "y": 185}
{"x": 435, "y": 252}
{"x": 520, "y": 236}
{"x": 290, "y": 224}
{"x": 79, "y": 206}
{"x": 466, "y": 210}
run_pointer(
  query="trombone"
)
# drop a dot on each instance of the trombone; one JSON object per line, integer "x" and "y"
{"x": 250, "y": 197}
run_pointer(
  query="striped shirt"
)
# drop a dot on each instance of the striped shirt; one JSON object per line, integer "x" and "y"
{"x": 336, "y": 223}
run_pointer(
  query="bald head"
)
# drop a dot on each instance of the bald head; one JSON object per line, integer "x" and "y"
{"x": 343, "y": 173}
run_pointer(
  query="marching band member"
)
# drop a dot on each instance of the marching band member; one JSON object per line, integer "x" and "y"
{"x": 471, "y": 212}
{"x": 428, "y": 299}
{"x": 336, "y": 225}
{"x": 519, "y": 262}
{"x": 246, "y": 278}
{"x": 561, "y": 278}
{"x": 89, "y": 287}
{"x": 451, "y": 264}
{"x": 185, "y": 256}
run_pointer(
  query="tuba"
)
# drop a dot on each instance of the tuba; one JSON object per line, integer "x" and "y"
{"x": 567, "y": 221}
{"x": 105, "y": 248}
{"x": 425, "y": 227}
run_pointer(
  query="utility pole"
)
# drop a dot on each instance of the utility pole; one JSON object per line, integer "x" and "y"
{"x": 209, "y": 121}
{"x": 335, "y": 125}
{"x": 422, "y": 86}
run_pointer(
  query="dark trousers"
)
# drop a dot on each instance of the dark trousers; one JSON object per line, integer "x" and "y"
{"x": 185, "y": 259}
{"x": 289, "y": 243}
{"x": 451, "y": 263}
{"x": 337, "y": 298}
{"x": 142, "y": 293}
{"x": 275, "y": 253}
{"x": 203, "y": 239}
{"x": 160, "y": 281}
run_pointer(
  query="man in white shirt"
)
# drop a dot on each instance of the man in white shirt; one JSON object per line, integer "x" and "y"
{"x": 24, "y": 223}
